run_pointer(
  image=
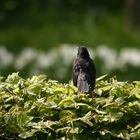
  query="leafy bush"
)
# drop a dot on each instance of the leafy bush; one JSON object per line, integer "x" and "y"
{"x": 40, "y": 108}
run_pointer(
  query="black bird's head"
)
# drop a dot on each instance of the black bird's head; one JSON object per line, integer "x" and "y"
{"x": 83, "y": 52}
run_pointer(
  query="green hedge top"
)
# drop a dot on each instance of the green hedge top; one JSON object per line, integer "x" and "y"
{"x": 40, "y": 108}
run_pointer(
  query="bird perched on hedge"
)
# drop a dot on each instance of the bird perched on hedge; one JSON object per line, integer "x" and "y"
{"x": 84, "y": 71}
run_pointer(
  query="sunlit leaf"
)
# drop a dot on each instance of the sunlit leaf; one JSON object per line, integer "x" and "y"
{"x": 137, "y": 126}
{"x": 105, "y": 88}
{"x": 102, "y": 77}
{"x": 13, "y": 79}
{"x": 23, "y": 119}
{"x": 86, "y": 119}
{"x": 137, "y": 95}
{"x": 136, "y": 82}
{"x": 27, "y": 134}
{"x": 67, "y": 100}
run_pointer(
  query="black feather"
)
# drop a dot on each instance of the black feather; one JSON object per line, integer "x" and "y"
{"x": 84, "y": 71}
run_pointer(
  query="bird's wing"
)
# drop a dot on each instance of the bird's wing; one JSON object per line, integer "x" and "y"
{"x": 75, "y": 72}
{"x": 92, "y": 74}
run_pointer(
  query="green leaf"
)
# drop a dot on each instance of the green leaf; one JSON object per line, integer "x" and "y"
{"x": 38, "y": 79}
{"x": 115, "y": 116}
{"x": 41, "y": 126}
{"x": 63, "y": 129}
{"x": 86, "y": 119}
{"x": 13, "y": 79}
{"x": 64, "y": 113}
{"x": 88, "y": 107}
{"x": 136, "y": 82}
{"x": 101, "y": 112}
{"x": 68, "y": 100}
{"x": 101, "y": 77}
{"x": 23, "y": 119}
{"x": 1, "y": 78}
{"x": 105, "y": 88}
{"x": 137, "y": 96}
{"x": 11, "y": 123}
{"x": 27, "y": 134}
{"x": 35, "y": 88}
{"x": 137, "y": 126}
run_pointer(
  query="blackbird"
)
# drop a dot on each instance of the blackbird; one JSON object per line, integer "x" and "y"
{"x": 84, "y": 71}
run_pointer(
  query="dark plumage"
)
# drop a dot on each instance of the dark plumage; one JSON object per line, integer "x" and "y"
{"x": 84, "y": 72}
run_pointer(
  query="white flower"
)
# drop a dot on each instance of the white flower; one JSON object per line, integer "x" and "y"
{"x": 6, "y": 58}
{"x": 129, "y": 56}
{"x": 26, "y": 56}
{"x": 108, "y": 56}
{"x": 45, "y": 60}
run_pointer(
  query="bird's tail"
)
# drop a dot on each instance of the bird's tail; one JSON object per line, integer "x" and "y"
{"x": 83, "y": 86}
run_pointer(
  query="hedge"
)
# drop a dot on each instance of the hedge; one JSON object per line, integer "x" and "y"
{"x": 39, "y": 108}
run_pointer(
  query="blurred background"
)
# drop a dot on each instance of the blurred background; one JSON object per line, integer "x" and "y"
{"x": 42, "y": 37}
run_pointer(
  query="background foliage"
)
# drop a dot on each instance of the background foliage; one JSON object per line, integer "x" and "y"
{"x": 43, "y": 25}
